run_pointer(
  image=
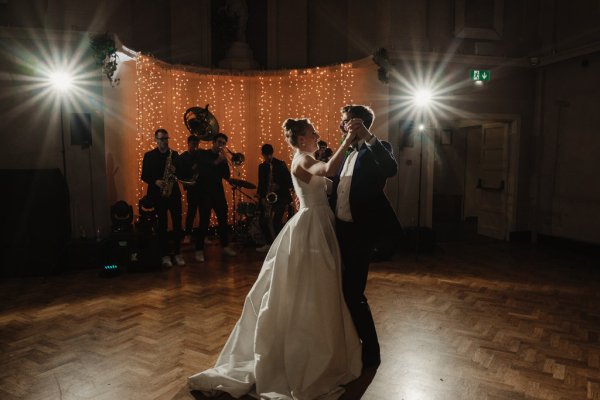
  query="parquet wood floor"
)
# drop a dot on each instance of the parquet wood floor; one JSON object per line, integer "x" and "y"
{"x": 486, "y": 321}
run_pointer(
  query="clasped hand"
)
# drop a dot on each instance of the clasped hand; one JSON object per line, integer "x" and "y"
{"x": 356, "y": 127}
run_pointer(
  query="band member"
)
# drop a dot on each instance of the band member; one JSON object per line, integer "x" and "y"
{"x": 212, "y": 169}
{"x": 159, "y": 169}
{"x": 324, "y": 153}
{"x": 274, "y": 184}
{"x": 191, "y": 168}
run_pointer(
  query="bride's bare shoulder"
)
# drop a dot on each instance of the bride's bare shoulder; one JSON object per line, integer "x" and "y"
{"x": 299, "y": 167}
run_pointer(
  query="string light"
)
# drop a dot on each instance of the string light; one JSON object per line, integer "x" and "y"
{"x": 164, "y": 92}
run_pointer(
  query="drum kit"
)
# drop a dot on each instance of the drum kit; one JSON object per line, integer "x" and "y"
{"x": 246, "y": 224}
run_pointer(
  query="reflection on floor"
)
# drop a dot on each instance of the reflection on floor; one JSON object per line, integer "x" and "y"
{"x": 471, "y": 321}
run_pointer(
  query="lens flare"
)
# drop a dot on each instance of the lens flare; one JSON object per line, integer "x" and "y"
{"x": 423, "y": 97}
{"x": 61, "y": 81}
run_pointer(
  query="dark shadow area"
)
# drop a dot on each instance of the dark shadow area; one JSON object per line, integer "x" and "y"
{"x": 542, "y": 266}
{"x": 19, "y": 294}
{"x": 34, "y": 222}
{"x": 225, "y": 396}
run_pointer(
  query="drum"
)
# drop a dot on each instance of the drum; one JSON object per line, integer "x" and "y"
{"x": 247, "y": 209}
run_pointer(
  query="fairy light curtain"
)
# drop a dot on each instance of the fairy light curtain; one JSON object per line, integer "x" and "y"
{"x": 250, "y": 108}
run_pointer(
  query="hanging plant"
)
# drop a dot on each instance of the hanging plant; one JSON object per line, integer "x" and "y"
{"x": 105, "y": 53}
{"x": 380, "y": 57}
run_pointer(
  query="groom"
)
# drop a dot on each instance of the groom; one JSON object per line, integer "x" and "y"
{"x": 362, "y": 209}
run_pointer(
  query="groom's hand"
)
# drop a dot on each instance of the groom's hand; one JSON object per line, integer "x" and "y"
{"x": 357, "y": 127}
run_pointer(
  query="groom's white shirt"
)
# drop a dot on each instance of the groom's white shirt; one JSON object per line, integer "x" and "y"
{"x": 342, "y": 207}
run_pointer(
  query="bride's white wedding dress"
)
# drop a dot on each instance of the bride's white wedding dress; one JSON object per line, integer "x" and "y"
{"x": 295, "y": 338}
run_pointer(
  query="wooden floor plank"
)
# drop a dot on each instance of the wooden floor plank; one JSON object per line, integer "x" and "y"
{"x": 473, "y": 321}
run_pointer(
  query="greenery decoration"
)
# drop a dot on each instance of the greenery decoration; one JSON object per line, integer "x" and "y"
{"x": 105, "y": 53}
{"x": 380, "y": 57}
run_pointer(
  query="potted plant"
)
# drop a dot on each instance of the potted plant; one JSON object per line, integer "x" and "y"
{"x": 105, "y": 52}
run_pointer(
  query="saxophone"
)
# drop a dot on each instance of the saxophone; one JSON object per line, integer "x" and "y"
{"x": 271, "y": 195}
{"x": 168, "y": 176}
{"x": 270, "y": 199}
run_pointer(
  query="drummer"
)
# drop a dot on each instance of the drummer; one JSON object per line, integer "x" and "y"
{"x": 274, "y": 184}
{"x": 212, "y": 169}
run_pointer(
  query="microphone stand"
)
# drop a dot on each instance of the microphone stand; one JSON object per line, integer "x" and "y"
{"x": 418, "y": 233}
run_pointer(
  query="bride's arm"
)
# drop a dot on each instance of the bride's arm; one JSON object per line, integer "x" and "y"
{"x": 320, "y": 168}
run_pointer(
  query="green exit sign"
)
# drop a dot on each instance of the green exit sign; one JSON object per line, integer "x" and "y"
{"x": 480, "y": 75}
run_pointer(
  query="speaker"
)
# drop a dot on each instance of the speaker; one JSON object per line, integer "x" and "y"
{"x": 34, "y": 222}
{"x": 81, "y": 129}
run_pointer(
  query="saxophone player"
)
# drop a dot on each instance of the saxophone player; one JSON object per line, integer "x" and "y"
{"x": 274, "y": 184}
{"x": 159, "y": 169}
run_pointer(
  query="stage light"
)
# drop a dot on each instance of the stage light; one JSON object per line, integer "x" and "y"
{"x": 110, "y": 270}
{"x": 422, "y": 97}
{"x": 61, "y": 81}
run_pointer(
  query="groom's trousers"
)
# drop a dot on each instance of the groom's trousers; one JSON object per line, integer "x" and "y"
{"x": 355, "y": 248}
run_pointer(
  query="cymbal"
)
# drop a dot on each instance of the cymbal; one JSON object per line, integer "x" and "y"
{"x": 242, "y": 183}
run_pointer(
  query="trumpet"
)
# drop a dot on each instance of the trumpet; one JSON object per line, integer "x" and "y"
{"x": 236, "y": 159}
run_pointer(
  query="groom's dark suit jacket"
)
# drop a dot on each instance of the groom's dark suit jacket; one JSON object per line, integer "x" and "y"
{"x": 369, "y": 206}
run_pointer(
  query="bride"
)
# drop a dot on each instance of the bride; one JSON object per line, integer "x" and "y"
{"x": 295, "y": 338}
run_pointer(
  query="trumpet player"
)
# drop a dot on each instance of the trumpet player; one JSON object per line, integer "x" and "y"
{"x": 159, "y": 169}
{"x": 274, "y": 184}
{"x": 212, "y": 169}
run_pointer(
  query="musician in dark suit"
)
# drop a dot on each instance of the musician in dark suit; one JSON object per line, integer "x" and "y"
{"x": 188, "y": 159}
{"x": 153, "y": 173}
{"x": 362, "y": 210}
{"x": 273, "y": 177}
{"x": 212, "y": 169}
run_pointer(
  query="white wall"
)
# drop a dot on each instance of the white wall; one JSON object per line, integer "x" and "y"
{"x": 568, "y": 195}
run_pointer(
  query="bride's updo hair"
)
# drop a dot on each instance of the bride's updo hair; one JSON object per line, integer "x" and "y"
{"x": 293, "y": 128}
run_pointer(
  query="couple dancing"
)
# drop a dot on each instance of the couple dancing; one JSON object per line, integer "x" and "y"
{"x": 306, "y": 328}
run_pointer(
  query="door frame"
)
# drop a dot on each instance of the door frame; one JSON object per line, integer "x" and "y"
{"x": 513, "y": 148}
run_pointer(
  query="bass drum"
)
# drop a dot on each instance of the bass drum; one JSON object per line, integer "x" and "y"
{"x": 255, "y": 233}
{"x": 247, "y": 209}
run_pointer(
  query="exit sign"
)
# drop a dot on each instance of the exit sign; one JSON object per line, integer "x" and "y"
{"x": 480, "y": 75}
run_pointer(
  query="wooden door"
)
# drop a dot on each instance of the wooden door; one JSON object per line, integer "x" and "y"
{"x": 491, "y": 183}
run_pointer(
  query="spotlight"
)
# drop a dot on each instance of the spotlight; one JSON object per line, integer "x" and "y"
{"x": 422, "y": 97}
{"x": 421, "y": 127}
{"x": 61, "y": 81}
